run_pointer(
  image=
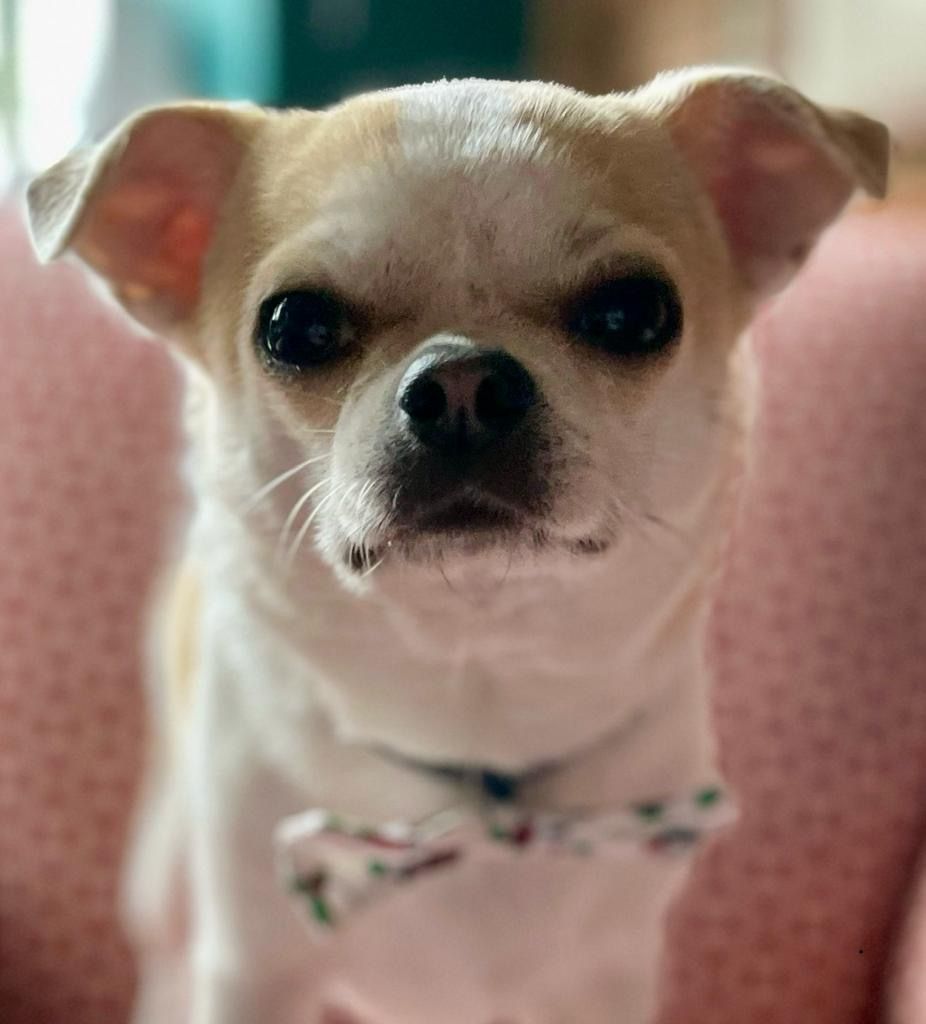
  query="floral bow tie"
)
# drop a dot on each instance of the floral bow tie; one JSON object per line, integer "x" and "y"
{"x": 336, "y": 866}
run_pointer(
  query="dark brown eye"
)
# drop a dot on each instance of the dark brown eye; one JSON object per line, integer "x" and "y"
{"x": 628, "y": 316}
{"x": 302, "y": 329}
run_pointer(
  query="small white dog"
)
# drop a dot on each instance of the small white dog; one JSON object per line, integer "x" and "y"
{"x": 467, "y": 387}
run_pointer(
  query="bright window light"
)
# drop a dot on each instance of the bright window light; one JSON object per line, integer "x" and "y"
{"x": 59, "y": 49}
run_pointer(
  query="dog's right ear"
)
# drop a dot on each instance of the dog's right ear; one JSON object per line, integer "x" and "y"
{"x": 141, "y": 208}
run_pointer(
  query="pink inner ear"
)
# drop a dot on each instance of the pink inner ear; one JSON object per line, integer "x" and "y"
{"x": 772, "y": 180}
{"x": 151, "y": 215}
{"x": 149, "y": 240}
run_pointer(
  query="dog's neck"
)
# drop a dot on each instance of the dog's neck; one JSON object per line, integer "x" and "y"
{"x": 509, "y": 671}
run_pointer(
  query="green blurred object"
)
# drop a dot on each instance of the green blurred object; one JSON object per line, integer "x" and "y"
{"x": 234, "y": 46}
{"x": 314, "y": 52}
{"x": 334, "y": 48}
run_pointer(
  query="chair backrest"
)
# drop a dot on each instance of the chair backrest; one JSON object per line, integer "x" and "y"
{"x": 819, "y": 649}
{"x": 87, "y": 441}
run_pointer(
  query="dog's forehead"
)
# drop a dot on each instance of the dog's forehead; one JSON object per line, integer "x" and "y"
{"x": 469, "y": 121}
{"x": 474, "y": 176}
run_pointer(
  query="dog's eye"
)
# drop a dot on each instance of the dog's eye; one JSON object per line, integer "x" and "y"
{"x": 629, "y": 316}
{"x": 300, "y": 329}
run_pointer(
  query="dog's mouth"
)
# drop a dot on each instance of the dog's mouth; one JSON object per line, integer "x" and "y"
{"x": 436, "y": 514}
{"x": 467, "y": 524}
{"x": 466, "y": 515}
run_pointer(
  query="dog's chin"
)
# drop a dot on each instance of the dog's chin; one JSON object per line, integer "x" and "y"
{"x": 462, "y": 533}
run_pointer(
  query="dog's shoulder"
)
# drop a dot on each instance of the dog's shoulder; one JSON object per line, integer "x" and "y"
{"x": 177, "y": 613}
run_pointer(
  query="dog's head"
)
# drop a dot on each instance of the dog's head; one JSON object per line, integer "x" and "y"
{"x": 481, "y": 317}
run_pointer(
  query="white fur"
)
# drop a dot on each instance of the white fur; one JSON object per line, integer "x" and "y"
{"x": 483, "y": 122}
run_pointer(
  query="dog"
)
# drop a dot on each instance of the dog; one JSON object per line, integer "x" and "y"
{"x": 468, "y": 387}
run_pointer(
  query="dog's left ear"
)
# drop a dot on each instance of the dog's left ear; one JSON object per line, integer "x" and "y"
{"x": 141, "y": 208}
{"x": 777, "y": 167}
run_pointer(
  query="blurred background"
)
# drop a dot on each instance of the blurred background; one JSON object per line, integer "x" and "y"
{"x": 69, "y": 70}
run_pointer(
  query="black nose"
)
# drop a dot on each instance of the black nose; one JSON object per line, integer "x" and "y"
{"x": 459, "y": 399}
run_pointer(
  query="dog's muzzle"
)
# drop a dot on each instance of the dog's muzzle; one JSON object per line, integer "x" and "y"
{"x": 467, "y": 444}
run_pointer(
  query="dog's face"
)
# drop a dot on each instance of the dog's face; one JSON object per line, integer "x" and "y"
{"x": 491, "y": 319}
{"x": 516, "y": 348}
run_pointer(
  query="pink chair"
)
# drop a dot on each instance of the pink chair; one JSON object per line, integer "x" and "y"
{"x": 818, "y": 640}
{"x": 819, "y": 649}
{"x": 87, "y": 436}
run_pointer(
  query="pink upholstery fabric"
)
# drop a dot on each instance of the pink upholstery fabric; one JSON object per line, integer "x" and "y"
{"x": 86, "y": 435}
{"x": 818, "y": 641}
{"x": 819, "y": 648}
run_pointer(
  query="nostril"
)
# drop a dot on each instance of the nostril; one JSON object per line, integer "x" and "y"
{"x": 460, "y": 400}
{"x": 505, "y": 394}
{"x": 424, "y": 400}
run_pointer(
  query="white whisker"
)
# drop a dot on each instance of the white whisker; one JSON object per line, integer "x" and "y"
{"x": 307, "y": 525}
{"x": 325, "y": 398}
{"x": 644, "y": 522}
{"x": 294, "y": 512}
{"x": 372, "y": 569}
{"x": 259, "y": 496}
{"x": 365, "y": 490}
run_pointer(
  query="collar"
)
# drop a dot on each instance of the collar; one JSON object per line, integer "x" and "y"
{"x": 482, "y": 782}
{"x": 488, "y": 783}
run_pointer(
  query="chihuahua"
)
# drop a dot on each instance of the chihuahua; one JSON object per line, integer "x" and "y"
{"x": 468, "y": 386}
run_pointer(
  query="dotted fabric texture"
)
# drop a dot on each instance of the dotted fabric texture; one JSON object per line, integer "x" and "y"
{"x": 818, "y": 640}
{"x": 87, "y": 436}
{"x": 819, "y": 650}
